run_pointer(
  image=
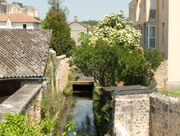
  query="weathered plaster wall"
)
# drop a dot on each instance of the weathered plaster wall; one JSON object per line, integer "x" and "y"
{"x": 164, "y": 115}
{"x": 132, "y": 112}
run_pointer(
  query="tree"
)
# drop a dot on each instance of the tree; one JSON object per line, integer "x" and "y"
{"x": 55, "y": 20}
{"x": 113, "y": 54}
{"x": 116, "y": 30}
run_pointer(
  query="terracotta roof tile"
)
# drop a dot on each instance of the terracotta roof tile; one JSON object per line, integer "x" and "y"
{"x": 21, "y": 17}
{"x": 23, "y": 52}
{"x": 3, "y": 18}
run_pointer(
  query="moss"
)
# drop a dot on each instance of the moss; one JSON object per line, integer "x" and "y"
{"x": 54, "y": 70}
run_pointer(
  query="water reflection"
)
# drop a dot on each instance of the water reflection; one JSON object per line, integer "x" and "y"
{"x": 82, "y": 113}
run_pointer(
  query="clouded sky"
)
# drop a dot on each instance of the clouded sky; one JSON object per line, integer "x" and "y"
{"x": 83, "y": 9}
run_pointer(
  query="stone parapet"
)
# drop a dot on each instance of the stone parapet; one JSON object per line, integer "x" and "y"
{"x": 26, "y": 100}
{"x": 164, "y": 115}
{"x": 132, "y": 112}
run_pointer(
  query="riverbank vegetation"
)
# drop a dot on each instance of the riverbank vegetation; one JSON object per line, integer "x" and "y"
{"x": 102, "y": 116}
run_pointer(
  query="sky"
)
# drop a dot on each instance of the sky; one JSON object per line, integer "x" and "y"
{"x": 84, "y": 9}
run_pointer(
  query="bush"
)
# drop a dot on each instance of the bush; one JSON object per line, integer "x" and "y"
{"x": 21, "y": 125}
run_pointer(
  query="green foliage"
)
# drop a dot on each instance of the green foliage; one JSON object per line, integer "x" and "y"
{"x": 66, "y": 90}
{"x": 172, "y": 93}
{"x": 91, "y": 22}
{"x": 50, "y": 103}
{"x": 101, "y": 115}
{"x": 37, "y": 18}
{"x": 154, "y": 57}
{"x": 21, "y": 125}
{"x": 54, "y": 70}
{"x": 70, "y": 125}
{"x": 55, "y": 20}
{"x": 70, "y": 78}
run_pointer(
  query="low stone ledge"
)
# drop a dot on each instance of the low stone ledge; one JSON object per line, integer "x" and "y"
{"x": 61, "y": 57}
{"x": 20, "y": 100}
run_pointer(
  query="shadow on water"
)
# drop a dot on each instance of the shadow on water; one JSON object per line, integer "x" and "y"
{"x": 81, "y": 111}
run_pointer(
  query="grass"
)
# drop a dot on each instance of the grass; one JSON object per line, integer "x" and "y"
{"x": 172, "y": 93}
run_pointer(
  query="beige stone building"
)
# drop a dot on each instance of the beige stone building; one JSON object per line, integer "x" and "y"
{"x": 8, "y": 8}
{"x": 76, "y": 29}
{"x": 158, "y": 21}
{"x": 151, "y": 17}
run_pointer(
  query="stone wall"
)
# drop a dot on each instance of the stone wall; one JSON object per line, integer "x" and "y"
{"x": 160, "y": 76}
{"x": 62, "y": 71}
{"x": 61, "y": 66}
{"x": 8, "y": 8}
{"x": 26, "y": 100}
{"x": 132, "y": 112}
{"x": 164, "y": 115}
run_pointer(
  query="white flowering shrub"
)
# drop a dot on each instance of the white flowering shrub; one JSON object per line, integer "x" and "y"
{"x": 116, "y": 30}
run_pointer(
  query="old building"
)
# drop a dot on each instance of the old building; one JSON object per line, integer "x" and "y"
{"x": 76, "y": 29}
{"x": 23, "y": 57}
{"x": 19, "y": 21}
{"x": 8, "y": 8}
{"x": 159, "y": 23}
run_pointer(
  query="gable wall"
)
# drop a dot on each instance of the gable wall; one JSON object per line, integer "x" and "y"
{"x": 76, "y": 28}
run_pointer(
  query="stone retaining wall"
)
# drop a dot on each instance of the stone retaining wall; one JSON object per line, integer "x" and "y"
{"x": 164, "y": 115}
{"x": 62, "y": 70}
{"x": 26, "y": 100}
{"x": 160, "y": 76}
{"x": 132, "y": 112}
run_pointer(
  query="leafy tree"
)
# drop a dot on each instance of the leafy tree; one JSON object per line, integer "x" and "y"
{"x": 55, "y": 20}
{"x": 113, "y": 54}
{"x": 115, "y": 30}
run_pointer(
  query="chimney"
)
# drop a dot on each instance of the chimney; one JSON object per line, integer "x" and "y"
{"x": 75, "y": 19}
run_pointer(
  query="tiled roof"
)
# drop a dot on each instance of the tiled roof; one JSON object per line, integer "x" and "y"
{"x": 3, "y": 18}
{"x": 78, "y": 23}
{"x": 23, "y": 52}
{"x": 19, "y": 17}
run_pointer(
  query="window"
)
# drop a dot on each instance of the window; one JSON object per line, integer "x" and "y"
{"x": 151, "y": 36}
{"x": 152, "y": 14}
{"x": 163, "y": 27}
{"x": 24, "y": 26}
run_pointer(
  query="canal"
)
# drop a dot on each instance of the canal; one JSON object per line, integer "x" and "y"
{"x": 79, "y": 107}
